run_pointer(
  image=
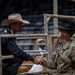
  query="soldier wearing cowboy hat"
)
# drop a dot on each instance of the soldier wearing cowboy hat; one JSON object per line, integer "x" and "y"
{"x": 9, "y": 46}
{"x": 63, "y": 60}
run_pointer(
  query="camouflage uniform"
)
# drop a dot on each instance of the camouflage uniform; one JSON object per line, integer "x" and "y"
{"x": 63, "y": 61}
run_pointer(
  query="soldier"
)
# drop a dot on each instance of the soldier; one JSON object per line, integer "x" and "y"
{"x": 9, "y": 46}
{"x": 63, "y": 60}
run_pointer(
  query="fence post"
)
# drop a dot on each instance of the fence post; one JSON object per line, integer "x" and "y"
{"x": 0, "y": 59}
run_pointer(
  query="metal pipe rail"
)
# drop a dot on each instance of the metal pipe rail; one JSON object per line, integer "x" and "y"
{"x": 60, "y": 16}
{"x": 29, "y": 38}
{"x": 21, "y": 35}
{"x": 37, "y": 73}
{"x": 35, "y": 51}
{"x": 55, "y": 36}
{"x": 22, "y": 44}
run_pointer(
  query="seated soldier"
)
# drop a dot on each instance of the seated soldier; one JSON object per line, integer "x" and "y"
{"x": 63, "y": 60}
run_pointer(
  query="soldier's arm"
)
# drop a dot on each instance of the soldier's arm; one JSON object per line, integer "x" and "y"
{"x": 72, "y": 54}
{"x": 49, "y": 64}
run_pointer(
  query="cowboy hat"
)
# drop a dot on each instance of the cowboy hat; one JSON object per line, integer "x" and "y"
{"x": 15, "y": 17}
{"x": 67, "y": 25}
{"x": 40, "y": 40}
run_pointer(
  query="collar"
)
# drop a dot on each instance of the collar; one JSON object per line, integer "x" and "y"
{"x": 66, "y": 46}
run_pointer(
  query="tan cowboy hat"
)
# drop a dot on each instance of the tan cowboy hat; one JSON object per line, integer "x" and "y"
{"x": 40, "y": 40}
{"x": 15, "y": 17}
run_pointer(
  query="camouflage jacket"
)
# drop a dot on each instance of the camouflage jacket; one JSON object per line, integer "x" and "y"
{"x": 63, "y": 61}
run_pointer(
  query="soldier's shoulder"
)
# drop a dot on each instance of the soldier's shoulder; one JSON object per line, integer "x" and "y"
{"x": 72, "y": 44}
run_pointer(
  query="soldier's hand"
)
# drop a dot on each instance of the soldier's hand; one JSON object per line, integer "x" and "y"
{"x": 38, "y": 60}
